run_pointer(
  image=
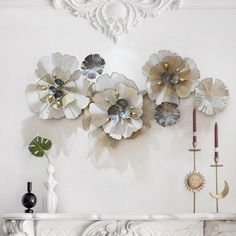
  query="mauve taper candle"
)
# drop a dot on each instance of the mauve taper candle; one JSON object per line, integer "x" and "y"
{"x": 216, "y": 139}
{"x": 194, "y": 127}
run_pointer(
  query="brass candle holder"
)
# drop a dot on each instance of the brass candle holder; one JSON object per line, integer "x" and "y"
{"x": 225, "y": 192}
{"x": 194, "y": 181}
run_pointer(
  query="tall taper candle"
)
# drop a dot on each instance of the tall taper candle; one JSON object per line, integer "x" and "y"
{"x": 216, "y": 139}
{"x": 194, "y": 128}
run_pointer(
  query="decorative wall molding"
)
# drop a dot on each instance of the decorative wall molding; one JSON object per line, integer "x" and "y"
{"x": 19, "y": 227}
{"x": 115, "y": 17}
{"x": 41, "y": 224}
{"x": 144, "y": 228}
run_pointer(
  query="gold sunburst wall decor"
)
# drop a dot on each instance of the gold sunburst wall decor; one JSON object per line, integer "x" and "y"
{"x": 194, "y": 181}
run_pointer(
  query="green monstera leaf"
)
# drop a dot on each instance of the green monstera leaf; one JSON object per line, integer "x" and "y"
{"x": 39, "y": 145}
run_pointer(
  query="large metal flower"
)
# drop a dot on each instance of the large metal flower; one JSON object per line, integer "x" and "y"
{"x": 170, "y": 77}
{"x": 93, "y": 66}
{"x": 117, "y": 106}
{"x": 56, "y": 94}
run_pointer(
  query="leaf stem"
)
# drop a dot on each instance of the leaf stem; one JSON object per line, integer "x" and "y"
{"x": 47, "y": 157}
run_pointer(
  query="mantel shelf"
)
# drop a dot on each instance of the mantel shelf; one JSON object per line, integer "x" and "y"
{"x": 147, "y": 217}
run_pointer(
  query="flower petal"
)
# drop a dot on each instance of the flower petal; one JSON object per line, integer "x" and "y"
{"x": 137, "y": 123}
{"x": 72, "y": 111}
{"x": 132, "y": 126}
{"x": 61, "y": 74}
{"x": 76, "y": 75}
{"x": 161, "y": 93}
{"x": 32, "y": 98}
{"x": 82, "y": 101}
{"x": 108, "y": 82}
{"x": 105, "y": 99}
{"x": 155, "y": 59}
{"x": 66, "y": 62}
{"x": 118, "y": 130}
{"x": 131, "y": 95}
{"x": 109, "y": 125}
{"x": 184, "y": 89}
{"x": 63, "y": 62}
{"x": 45, "y": 67}
{"x": 48, "y": 112}
{"x": 98, "y": 116}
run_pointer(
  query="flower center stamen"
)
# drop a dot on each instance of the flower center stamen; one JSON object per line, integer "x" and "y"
{"x": 120, "y": 109}
{"x": 173, "y": 78}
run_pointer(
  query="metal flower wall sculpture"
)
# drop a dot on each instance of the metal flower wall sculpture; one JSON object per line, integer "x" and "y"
{"x": 114, "y": 109}
{"x": 56, "y": 94}
{"x": 211, "y": 96}
{"x": 169, "y": 78}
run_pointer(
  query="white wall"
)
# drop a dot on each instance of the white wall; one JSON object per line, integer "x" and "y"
{"x": 147, "y": 175}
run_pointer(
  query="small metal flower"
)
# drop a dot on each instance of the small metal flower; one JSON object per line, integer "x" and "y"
{"x": 166, "y": 114}
{"x": 211, "y": 96}
{"x": 56, "y": 94}
{"x": 93, "y": 66}
{"x": 170, "y": 77}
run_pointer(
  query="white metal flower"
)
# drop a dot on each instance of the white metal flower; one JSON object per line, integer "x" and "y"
{"x": 117, "y": 106}
{"x": 211, "y": 96}
{"x": 169, "y": 77}
{"x": 56, "y": 94}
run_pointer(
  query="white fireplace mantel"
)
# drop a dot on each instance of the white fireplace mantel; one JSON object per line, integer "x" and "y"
{"x": 41, "y": 224}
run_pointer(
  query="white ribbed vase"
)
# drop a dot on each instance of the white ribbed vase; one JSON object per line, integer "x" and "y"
{"x": 51, "y": 197}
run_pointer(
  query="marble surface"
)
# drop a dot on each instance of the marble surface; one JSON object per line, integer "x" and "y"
{"x": 45, "y": 216}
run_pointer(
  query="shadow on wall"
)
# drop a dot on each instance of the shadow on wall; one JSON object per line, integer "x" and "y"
{"x": 64, "y": 134}
{"x": 59, "y": 131}
{"x": 130, "y": 153}
{"x": 134, "y": 154}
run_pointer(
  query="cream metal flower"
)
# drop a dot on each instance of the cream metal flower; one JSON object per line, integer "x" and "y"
{"x": 117, "y": 106}
{"x": 211, "y": 96}
{"x": 169, "y": 77}
{"x": 56, "y": 94}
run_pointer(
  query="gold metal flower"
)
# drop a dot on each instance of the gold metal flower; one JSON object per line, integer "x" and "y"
{"x": 169, "y": 77}
{"x": 56, "y": 94}
{"x": 194, "y": 181}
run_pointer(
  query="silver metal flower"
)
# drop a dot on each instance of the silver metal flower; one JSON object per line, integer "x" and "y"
{"x": 166, "y": 114}
{"x": 93, "y": 66}
{"x": 211, "y": 96}
{"x": 117, "y": 106}
{"x": 169, "y": 77}
{"x": 56, "y": 94}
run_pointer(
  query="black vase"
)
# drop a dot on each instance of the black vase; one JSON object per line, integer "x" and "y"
{"x": 29, "y": 200}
